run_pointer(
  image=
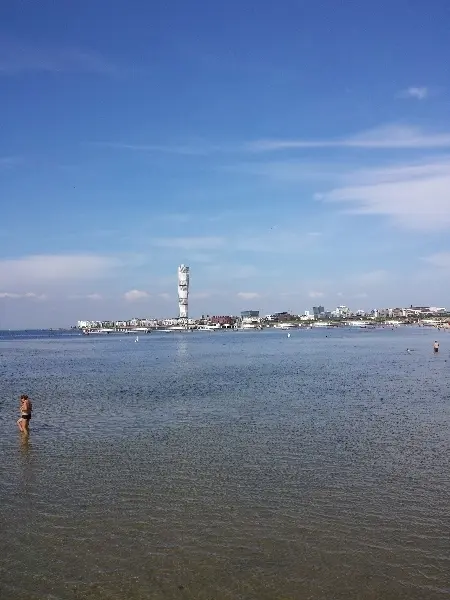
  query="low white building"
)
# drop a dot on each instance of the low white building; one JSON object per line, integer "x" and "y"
{"x": 341, "y": 311}
{"x": 88, "y": 324}
{"x": 169, "y": 322}
{"x": 435, "y": 309}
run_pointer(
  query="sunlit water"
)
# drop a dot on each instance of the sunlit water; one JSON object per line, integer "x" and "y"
{"x": 243, "y": 465}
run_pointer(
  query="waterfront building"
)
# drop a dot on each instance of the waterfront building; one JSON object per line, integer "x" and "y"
{"x": 83, "y": 324}
{"x": 318, "y": 311}
{"x": 385, "y": 312}
{"x": 90, "y": 324}
{"x": 169, "y": 322}
{"x": 250, "y": 314}
{"x": 425, "y": 310}
{"x": 436, "y": 309}
{"x": 250, "y": 319}
{"x": 341, "y": 312}
{"x": 282, "y": 316}
{"x": 224, "y": 320}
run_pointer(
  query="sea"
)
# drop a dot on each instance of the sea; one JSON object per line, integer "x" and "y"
{"x": 226, "y": 465}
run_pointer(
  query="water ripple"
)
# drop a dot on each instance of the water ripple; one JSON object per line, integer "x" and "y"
{"x": 227, "y": 466}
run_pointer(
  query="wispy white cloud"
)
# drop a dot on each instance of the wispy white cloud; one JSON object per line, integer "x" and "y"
{"x": 194, "y": 149}
{"x": 232, "y": 271}
{"x": 28, "y": 295}
{"x": 189, "y": 243}
{"x": 391, "y": 136}
{"x": 274, "y": 240}
{"x": 289, "y": 171}
{"x": 204, "y": 257}
{"x": 386, "y": 137}
{"x": 269, "y": 240}
{"x": 177, "y": 218}
{"x": 135, "y": 295}
{"x": 95, "y": 297}
{"x": 17, "y": 56}
{"x": 371, "y": 278}
{"x": 200, "y": 295}
{"x": 316, "y": 294}
{"x": 413, "y": 195}
{"x": 165, "y": 296}
{"x": 440, "y": 260}
{"x": 54, "y": 268}
{"x": 8, "y": 162}
{"x": 248, "y": 295}
{"x": 419, "y": 93}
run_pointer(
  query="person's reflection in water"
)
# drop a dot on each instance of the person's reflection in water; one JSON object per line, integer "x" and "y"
{"x": 27, "y": 478}
{"x": 25, "y": 445}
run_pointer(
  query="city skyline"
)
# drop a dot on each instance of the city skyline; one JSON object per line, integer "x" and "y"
{"x": 310, "y": 170}
{"x": 317, "y": 313}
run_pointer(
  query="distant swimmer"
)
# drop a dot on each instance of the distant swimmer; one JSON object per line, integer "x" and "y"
{"x": 25, "y": 414}
{"x": 436, "y": 347}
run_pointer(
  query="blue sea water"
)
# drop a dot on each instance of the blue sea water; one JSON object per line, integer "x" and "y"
{"x": 226, "y": 465}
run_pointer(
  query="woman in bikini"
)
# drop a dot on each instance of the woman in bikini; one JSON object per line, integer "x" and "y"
{"x": 25, "y": 413}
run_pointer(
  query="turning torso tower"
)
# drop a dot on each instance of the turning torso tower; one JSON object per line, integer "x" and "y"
{"x": 183, "y": 291}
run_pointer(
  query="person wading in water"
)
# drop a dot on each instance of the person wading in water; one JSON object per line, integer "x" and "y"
{"x": 436, "y": 347}
{"x": 25, "y": 414}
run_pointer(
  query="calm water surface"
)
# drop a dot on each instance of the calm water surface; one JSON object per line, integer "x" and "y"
{"x": 227, "y": 465}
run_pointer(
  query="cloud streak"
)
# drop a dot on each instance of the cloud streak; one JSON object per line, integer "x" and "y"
{"x": 387, "y": 137}
{"x": 183, "y": 149}
{"x": 165, "y": 296}
{"x": 20, "y": 57}
{"x": 95, "y": 297}
{"x": 136, "y": 295}
{"x": 440, "y": 260}
{"x": 54, "y": 268}
{"x": 190, "y": 243}
{"x": 248, "y": 295}
{"x": 273, "y": 241}
{"x": 8, "y": 162}
{"x": 418, "y": 93}
{"x": 27, "y": 295}
{"x": 414, "y": 196}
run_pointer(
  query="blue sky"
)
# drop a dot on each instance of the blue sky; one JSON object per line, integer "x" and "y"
{"x": 291, "y": 153}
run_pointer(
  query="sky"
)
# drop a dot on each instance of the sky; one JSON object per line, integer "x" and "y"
{"x": 292, "y": 153}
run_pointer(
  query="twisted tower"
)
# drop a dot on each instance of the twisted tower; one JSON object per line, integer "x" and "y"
{"x": 183, "y": 291}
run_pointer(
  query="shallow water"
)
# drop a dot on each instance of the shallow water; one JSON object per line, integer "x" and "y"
{"x": 226, "y": 466}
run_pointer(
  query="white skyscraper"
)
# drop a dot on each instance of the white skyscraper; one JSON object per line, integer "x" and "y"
{"x": 183, "y": 291}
